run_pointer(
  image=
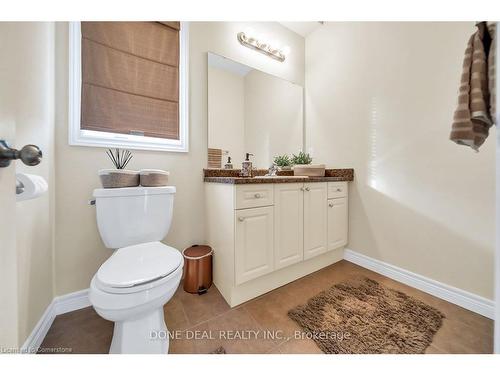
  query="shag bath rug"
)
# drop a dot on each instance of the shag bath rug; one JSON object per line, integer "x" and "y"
{"x": 363, "y": 317}
{"x": 219, "y": 350}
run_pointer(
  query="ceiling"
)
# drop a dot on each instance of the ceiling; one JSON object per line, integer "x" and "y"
{"x": 302, "y": 28}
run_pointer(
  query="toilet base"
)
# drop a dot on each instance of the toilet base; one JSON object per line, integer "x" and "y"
{"x": 147, "y": 334}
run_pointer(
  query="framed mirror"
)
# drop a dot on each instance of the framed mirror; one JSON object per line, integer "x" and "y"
{"x": 251, "y": 111}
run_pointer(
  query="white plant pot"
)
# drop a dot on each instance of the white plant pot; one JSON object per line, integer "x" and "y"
{"x": 310, "y": 170}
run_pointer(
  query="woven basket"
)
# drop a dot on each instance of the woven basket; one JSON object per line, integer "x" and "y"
{"x": 154, "y": 177}
{"x": 118, "y": 178}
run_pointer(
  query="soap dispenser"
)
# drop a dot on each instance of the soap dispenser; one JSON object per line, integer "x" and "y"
{"x": 228, "y": 164}
{"x": 246, "y": 166}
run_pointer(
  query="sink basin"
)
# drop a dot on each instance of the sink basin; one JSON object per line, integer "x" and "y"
{"x": 281, "y": 177}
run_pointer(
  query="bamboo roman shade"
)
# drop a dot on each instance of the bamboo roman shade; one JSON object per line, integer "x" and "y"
{"x": 130, "y": 78}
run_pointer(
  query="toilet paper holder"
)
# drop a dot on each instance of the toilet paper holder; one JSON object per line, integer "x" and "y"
{"x": 30, "y": 154}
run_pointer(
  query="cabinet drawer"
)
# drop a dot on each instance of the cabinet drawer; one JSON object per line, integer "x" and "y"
{"x": 254, "y": 195}
{"x": 337, "y": 189}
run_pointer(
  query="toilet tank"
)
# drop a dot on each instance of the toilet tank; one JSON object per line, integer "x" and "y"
{"x": 133, "y": 215}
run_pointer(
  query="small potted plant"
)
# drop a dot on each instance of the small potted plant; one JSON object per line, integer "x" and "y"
{"x": 283, "y": 162}
{"x": 119, "y": 177}
{"x": 303, "y": 167}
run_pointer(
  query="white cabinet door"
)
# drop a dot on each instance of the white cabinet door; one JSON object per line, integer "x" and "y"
{"x": 288, "y": 224}
{"x": 337, "y": 223}
{"x": 315, "y": 219}
{"x": 253, "y": 243}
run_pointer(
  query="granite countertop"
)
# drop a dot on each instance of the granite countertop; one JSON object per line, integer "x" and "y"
{"x": 224, "y": 176}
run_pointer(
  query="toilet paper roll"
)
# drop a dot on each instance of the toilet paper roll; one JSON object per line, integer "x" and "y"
{"x": 32, "y": 186}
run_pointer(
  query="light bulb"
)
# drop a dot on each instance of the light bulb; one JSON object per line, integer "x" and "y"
{"x": 249, "y": 32}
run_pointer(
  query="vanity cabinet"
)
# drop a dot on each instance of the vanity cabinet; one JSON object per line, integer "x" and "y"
{"x": 315, "y": 219}
{"x": 253, "y": 244}
{"x": 337, "y": 223}
{"x": 288, "y": 224}
{"x": 267, "y": 235}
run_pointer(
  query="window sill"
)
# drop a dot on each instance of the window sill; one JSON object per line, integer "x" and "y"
{"x": 111, "y": 140}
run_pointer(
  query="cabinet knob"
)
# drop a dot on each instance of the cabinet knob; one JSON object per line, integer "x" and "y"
{"x": 241, "y": 218}
{"x": 307, "y": 189}
{"x": 302, "y": 189}
{"x": 257, "y": 195}
{"x": 330, "y": 204}
{"x": 339, "y": 190}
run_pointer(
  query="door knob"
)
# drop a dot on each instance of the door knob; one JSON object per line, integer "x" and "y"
{"x": 30, "y": 154}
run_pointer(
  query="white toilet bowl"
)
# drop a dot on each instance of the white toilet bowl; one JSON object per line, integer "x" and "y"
{"x": 131, "y": 288}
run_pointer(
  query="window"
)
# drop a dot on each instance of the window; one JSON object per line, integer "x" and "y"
{"x": 128, "y": 85}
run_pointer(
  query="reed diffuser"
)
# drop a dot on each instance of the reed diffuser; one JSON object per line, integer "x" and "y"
{"x": 119, "y": 161}
{"x": 119, "y": 177}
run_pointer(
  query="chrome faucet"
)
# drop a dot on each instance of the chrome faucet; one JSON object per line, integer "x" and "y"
{"x": 273, "y": 169}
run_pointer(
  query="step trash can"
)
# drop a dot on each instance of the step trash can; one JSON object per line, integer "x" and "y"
{"x": 197, "y": 268}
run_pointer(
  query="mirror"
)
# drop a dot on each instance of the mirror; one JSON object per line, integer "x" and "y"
{"x": 251, "y": 111}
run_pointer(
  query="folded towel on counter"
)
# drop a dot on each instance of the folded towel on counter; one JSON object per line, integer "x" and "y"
{"x": 215, "y": 158}
{"x": 475, "y": 112}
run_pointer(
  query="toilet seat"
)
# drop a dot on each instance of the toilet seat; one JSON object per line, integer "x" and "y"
{"x": 138, "y": 267}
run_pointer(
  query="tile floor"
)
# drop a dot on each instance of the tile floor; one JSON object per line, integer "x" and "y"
{"x": 188, "y": 315}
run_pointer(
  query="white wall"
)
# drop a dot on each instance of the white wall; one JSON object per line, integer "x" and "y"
{"x": 79, "y": 250}
{"x": 8, "y": 255}
{"x": 380, "y": 98}
{"x": 27, "y": 87}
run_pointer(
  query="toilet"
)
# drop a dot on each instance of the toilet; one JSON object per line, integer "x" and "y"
{"x": 141, "y": 276}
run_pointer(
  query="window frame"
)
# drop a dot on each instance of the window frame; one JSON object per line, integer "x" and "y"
{"x": 91, "y": 138}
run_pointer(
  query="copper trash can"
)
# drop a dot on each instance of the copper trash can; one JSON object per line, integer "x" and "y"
{"x": 197, "y": 268}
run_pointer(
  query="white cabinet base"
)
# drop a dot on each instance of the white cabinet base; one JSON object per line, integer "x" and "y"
{"x": 254, "y": 288}
{"x": 248, "y": 229}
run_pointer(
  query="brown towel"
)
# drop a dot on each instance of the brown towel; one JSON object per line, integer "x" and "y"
{"x": 491, "y": 71}
{"x": 214, "y": 158}
{"x": 475, "y": 113}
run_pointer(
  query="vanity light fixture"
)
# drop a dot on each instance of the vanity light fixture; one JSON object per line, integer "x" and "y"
{"x": 250, "y": 41}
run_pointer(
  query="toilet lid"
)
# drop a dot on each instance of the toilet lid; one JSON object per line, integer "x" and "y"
{"x": 139, "y": 264}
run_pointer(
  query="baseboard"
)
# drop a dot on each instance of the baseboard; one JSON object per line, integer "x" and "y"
{"x": 59, "y": 305}
{"x": 36, "y": 336}
{"x": 462, "y": 298}
{"x": 71, "y": 302}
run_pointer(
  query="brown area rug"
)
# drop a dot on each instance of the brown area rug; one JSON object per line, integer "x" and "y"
{"x": 219, "y": 350}
{"x": 362, "y": 317}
